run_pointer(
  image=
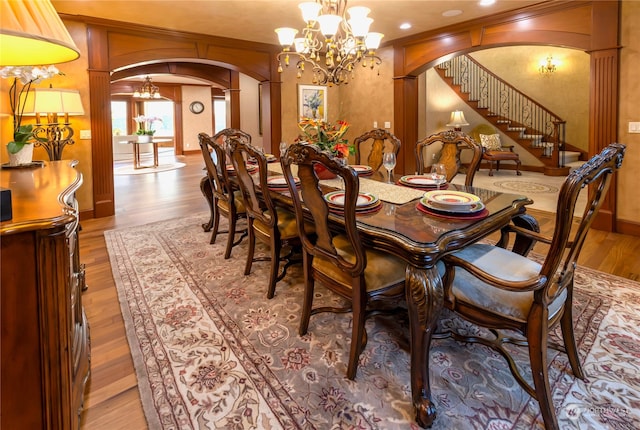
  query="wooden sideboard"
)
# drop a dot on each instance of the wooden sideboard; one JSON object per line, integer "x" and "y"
{"x": 45, "y": 350}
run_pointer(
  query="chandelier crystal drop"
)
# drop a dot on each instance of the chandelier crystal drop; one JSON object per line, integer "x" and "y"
{"x": 330, "y": 42}
{"x": 147, "y": 90}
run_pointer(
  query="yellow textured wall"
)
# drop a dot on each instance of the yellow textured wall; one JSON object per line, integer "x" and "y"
{"x": 75, "y": 77}
{"x": 628, "y": 182}
{"x": 365, "y": 99}
{"x": 564, "y": 92}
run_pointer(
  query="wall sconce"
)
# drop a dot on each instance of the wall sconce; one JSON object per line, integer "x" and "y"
{"x": 548, "y": 67}
{"x": 53, "y": 102}
{"x": 457, "y": 120}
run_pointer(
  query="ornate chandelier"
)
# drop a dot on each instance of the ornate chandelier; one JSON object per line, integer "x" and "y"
{"x": 343, "y": 42}
{"x": 147, "y": 90}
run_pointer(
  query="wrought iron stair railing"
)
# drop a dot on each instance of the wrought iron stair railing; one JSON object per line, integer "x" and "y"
{"x": 533, "y": 126}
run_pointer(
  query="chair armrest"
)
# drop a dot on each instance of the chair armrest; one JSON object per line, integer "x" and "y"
{"x": 530, "y": 234}
{"x": 526, "y": 231}
{"x": 451, "y": 261}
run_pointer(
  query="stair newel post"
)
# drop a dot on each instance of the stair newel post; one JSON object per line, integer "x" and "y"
{"x": 559, "y": 132}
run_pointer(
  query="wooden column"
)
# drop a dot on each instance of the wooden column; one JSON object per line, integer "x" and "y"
{"x": 271, "y": 116}
{"x": 405, "y": 112}
{"x": 233, "y": 101}
{"x": 603, "y": 99}
{"x": 101, "y": 146}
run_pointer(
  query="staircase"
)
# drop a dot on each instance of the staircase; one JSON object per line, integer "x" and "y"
{"x": 528, "y": 123}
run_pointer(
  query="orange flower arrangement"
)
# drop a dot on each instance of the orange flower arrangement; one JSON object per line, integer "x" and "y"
{"x": 327, "y": 136}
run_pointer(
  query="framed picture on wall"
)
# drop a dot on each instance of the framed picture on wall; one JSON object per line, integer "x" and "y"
{"x": 312, "y": 101}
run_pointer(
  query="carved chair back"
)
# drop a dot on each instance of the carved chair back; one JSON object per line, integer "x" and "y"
{"x": 320, "y": 242}
{"x": 453, "y": 142}
{"x": 255, "y": 201}
{"x": 381, "y": 141}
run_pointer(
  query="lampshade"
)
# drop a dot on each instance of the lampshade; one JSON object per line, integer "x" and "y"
{"x": 457, "y": 119}
{"x": 32, "y": 33}
{"x": 53, "y": 100}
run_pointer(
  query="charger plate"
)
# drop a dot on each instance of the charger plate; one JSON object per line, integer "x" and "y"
{"x": 482, "y": 213}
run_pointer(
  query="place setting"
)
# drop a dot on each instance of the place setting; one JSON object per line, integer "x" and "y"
{"x": 423, "y": 182}
{"x": 365, "y": 204}
{"x": 362, "y": 170}
{"x": 269, "y": 157}
{"x": 251, "y": 168}
{"x": 279, "y": 183}
{"x": 452, "y": 205}
{"x": 436, "y": 179}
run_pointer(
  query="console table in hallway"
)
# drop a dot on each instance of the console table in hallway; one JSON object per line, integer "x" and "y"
{"x": 136, "y": 151}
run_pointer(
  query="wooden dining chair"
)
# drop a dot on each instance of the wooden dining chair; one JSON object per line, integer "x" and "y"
{"x": 503, "y": 290}
{"x": 377, "y": 142}
{"x": 451, "y": 145}
{"x": 273, "y": 225}
{"x": 225, "y": 200}
{"x": 338, "y": 259}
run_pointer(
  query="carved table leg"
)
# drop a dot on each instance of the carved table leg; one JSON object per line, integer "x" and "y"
{"x": 205, "y": 187}
{"x": 425, "y": 297}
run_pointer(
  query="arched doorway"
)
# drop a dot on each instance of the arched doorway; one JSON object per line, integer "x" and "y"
{"x": 588, "y": 26}
{"x": 114, "y": 48}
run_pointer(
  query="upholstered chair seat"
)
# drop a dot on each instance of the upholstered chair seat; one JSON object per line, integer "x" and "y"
{"x": 240, "y": 209}
{"x": 384, "y": 272}
{"x": 505, "y": 265}
{"x": 286, "y": 224}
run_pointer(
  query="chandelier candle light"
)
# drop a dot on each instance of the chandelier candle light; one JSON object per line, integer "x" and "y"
{"x": 147, "y": 90}
{"x": 343, "y": 42}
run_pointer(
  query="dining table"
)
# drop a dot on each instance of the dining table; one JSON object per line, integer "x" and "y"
{"x": 421, "y": 238}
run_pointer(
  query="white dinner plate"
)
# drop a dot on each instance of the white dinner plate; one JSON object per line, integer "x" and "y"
{"x": 421, "y": 181}
{"x": 280, "y": 181}
{"x": 336, "y": 198}
{"x": 452, "y": 200}
{"x": 362, "y": 169}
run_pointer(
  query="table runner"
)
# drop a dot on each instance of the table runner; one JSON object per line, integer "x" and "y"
{"x": 391, "y": 193}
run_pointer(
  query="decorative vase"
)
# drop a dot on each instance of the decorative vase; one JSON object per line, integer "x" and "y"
{"x": 144, "y": 138}
{"x": 322, "y": 172}
{"x": 24, "y": 156}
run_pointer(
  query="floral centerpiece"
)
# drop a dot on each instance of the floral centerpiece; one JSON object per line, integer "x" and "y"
{"x": 145, "y": 124}
{"x": 329, "y": 137}
{"x": 26, "y": 76}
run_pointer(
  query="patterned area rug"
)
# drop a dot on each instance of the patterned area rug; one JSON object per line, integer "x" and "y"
{"x": 211, "y": 352}
{"x": 526, "y": 187}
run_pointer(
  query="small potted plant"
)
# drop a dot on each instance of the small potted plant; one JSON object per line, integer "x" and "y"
{"x": 145, "y": 131}
{"x": 20, "y": 149}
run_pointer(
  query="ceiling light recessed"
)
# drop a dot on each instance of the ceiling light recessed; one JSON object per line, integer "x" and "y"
{"x": 405, "y": 26}
{"x": 452, "y": 12}
{"x": 487, "y": 2}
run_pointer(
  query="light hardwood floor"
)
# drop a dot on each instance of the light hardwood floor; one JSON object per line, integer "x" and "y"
{"x": 112, "y": 401}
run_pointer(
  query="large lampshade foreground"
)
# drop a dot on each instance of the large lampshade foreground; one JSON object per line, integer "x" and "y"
{"x": 32, "y": 33}
{"x": 52, "y": 100}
